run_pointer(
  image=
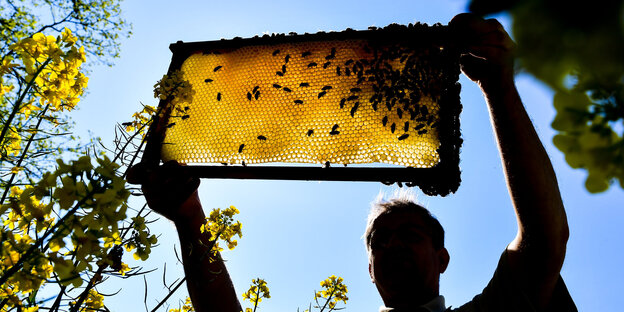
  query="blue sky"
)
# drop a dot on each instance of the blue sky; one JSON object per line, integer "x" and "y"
{"x": 298, "y": 233}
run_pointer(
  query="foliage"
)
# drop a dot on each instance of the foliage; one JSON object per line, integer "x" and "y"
{"x": 63, "y": 223}
{"x": 97, "y": 24}
{"x": 43, "y": 45}
{"x": 576, "y": 48}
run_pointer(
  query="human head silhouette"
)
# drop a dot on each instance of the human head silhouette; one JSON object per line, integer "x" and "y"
{"x": 406, "y": 252}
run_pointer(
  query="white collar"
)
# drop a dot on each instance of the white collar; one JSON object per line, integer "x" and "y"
{"x": 437, "y": 304}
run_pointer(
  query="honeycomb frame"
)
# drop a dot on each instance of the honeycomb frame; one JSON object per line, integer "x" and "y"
{"x": 344, "y": 82}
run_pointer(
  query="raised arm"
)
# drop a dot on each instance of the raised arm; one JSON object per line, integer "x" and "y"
{"x": 174, "y": 195}
{"x": 536, "y": 254}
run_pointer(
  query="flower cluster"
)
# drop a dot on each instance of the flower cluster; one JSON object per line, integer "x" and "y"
{"x": 174, "y": 88}
{"x": 334, "y": 292}
{"x": 141, "y": 120}
{"x": 186, "y": 307}
{"x": 61, "y": 225}
{"x": 256, "y": 292}
{"x": 221, "y": 226}
{"x": 53, "y": 65}
{"x": 93, "y": 302}
{"x": 141, "y": 240}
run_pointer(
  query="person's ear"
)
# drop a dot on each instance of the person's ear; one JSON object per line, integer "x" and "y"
{"x": 444, "y": 258}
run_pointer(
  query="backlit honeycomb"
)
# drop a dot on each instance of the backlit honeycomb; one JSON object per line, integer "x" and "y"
{"x": 342, "y": 102}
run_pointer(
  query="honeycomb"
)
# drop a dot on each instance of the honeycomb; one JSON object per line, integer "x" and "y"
{"x": 332, "y": 101}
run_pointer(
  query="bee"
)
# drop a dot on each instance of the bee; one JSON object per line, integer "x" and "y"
{"x": 403, "y": 137}
{"x": 412, "y": 113}
{"x": 312, "y": 64}
{"x": 384, "y": 121}
{"x": 219, "y": 96}
{"x": 307, "y": 53}
{"x": 284, "y": 69}
{"x": 424, "y": 111}
{"x": 249, "y": 96}
{"x": 347, "y": 72}
{"x": 349, "y": 62}
{"x": 354, "y": 108}
{"x": 279, "y": 73}
{"x": 276, "y": 52}
{"x": 334, "y": 127}
{"x": 185, "y": 117}
{"x": 186, "y": 108}
{"x": 262, "y": 138}
{"x": 334, "y": 130}
{"x": 240, "y": 148}
{"x": 276, "y": 86}
{"x": 217, "y": 68}
{"x": 243, "y": 163}
{"x": 422, "y": 131}
{"x": 353, "y": 97}
{"x": 304, "y": 84}
{"x": 208, "y": 80}
{"x": 342, "y": 102}
{"x": 257, "y": 95}
{"x": 298, "y": 102}
{"x": 326, "y": 64}
{"x": 287, "y": 58}
{"x": 420, "y": 126}
{"x": 333, "y": 51}
{"x": 399, "y": 113}
{"x": 255, "y": 89}
{"x": 287, "y": 89}
{"x": 310, "y": 132}
{"x": 393, "y": 127}
{"x": 406, "y": 127}
{"x": 320, "y": 95}
{"x": 356, "y": 89}
{"x": 423, "y": 118}
{"x": 171, "y": 125}
{"x": 329, "y": 57}
{"x": 374, "y": 106}
{"x": 338, "y": 70}
{"x": 326, "y": 88}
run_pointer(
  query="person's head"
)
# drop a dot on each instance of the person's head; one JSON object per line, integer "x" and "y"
{"x": 406, "y": 253}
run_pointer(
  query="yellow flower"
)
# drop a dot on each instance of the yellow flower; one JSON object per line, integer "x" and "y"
{"x": 257, "y": 290}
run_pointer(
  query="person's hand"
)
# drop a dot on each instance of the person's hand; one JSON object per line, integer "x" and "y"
{"x": 487, "y": 51}
{"x": 168, "y": 190}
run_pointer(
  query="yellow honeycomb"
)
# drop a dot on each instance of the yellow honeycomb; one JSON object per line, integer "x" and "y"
{"x": 340, "y": 101}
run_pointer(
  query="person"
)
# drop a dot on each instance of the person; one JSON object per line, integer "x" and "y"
{"x": 405, "y": 243}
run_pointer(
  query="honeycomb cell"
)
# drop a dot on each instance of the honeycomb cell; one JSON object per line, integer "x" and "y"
{"x": 301, "y": 105}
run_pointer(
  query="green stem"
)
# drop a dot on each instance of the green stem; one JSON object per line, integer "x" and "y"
{"x": 257, "y": 297}
{"x": 16, "y": 107}
{"x": 85, "y": 293}
{"x": 328, "y": 299}
{"x": 5, "y": 277}
{"x": 19, "y": 162}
